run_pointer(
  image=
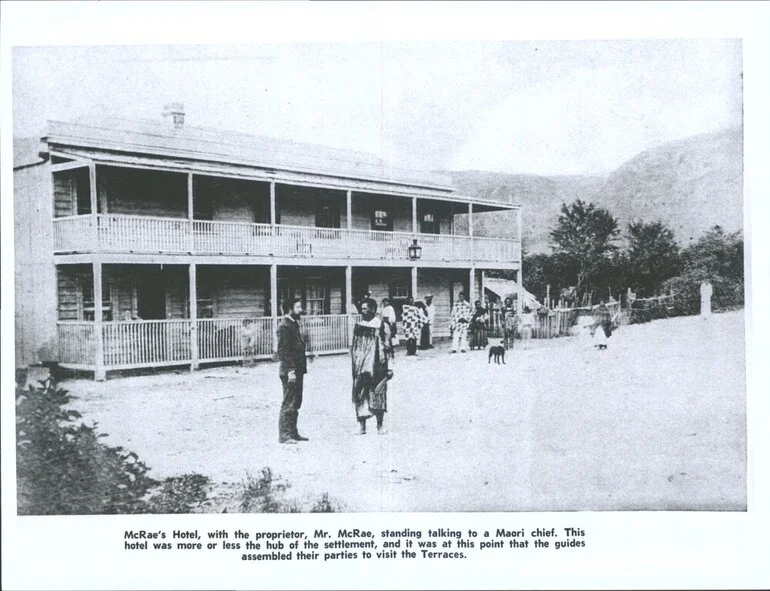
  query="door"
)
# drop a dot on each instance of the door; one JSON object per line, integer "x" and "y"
{"x": 151, "y": 296}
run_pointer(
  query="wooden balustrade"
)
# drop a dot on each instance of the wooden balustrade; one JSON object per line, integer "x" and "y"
{"x": 73, "y": 234}
{"x": 156, "y": 343}
{"x": 230, "y": 339}
{"x": 146, "y": 343}
{"x": 142, "y": 234}
{"x": 328, "y": 333}
{"x": 76, "y": 344}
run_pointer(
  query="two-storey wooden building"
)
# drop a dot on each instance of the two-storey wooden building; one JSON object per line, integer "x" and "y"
{"x": 141, "y": 244}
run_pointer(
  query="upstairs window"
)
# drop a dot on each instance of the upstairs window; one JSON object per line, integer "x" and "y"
{"x": 382, "y": 220}
{"x": 429, "y": 223}
{"x": 327, "y": 216}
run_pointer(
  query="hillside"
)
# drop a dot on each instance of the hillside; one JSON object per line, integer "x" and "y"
{"x": 691, "y": 184}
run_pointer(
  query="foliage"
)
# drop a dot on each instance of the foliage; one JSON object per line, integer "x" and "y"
{"x": 718, "y": 258}
{"x": 585, "y": 235}
{"x": 263, "y": 494}
{"x": 653, "y": 256}
{"x": 180, "y": 494}
{"x": 323, "y": 505}
{"x": 62, "y": 466}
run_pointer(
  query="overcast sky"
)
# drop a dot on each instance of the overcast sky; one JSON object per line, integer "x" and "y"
{"x": 522, "y": 107}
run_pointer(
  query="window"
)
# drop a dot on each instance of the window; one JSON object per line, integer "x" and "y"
{"x": 316, "y": 294}
{"x": 87, "y": 288}
{"x": 381, "y": 219}
{"x": 399, "y": 289}
{"x": 327, "y": 216}
{"x": 429, "y": 223}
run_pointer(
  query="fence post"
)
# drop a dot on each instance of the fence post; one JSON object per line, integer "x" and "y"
{"x": 193, "y": 280}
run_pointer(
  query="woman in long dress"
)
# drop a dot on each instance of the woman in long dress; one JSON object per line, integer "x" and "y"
{"x": 425, "y": 330}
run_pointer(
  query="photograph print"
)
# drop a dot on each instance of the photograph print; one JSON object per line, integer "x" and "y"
{"x": 380, "y": 277}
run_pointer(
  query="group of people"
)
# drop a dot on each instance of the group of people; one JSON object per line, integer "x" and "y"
{"x": 417, "y": 320}
{"x": 374, "y": 338}
{"x": 371, "y": 352}
{"x": 467, "y": 320}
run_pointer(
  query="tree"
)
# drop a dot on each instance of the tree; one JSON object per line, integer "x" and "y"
{"x": 585, "y": 235}
{"x": 653, "y": 256}
{"x": 717, "y": 257}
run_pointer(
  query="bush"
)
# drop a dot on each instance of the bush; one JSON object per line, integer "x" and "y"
{"x": 180, "y": 494}
{"x": 265, "y": 494}
{"x": 728, "y": 294}
{"x": 63, "y": 469}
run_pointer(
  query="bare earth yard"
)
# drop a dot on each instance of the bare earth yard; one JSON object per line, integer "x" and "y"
{"x": 657, "y": 421}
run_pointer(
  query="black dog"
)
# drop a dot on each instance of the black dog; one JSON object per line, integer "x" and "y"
{"x": 498, "y": 352}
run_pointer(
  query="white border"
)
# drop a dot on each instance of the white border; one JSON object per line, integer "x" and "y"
{"x": 654, "y": 550}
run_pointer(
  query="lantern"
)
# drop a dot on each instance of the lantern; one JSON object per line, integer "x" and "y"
{"x": 415, "y": 250}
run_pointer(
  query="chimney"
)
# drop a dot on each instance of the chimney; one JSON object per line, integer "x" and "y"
{"x": 176, "y": 112}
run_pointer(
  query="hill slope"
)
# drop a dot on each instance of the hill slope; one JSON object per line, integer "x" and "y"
{"x": 690, "y": 184}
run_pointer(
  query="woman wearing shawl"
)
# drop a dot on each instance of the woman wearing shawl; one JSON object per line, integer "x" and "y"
{"x": 369, "y": 354}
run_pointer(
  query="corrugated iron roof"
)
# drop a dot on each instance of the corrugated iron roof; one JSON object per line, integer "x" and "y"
{"x": 206, "y": 144}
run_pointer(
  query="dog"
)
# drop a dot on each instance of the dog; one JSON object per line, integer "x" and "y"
{"x": 498, "y": 352}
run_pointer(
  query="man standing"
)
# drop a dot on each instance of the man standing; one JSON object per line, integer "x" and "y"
{"x": 430, "y": 310}
{"x": 292, "y": 369}
{"x": 369, "y": 355}
{"x": 461, "y": 317}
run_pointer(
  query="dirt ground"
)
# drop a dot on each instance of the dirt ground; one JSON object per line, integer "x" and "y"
{"x": 656, "y": 421}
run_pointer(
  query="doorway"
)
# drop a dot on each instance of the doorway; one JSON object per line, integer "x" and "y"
{"x": 151, "y": 295}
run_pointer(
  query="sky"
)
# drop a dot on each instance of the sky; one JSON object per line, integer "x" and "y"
{"x": 549, "y": 108}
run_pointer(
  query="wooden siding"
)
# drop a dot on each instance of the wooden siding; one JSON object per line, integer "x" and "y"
{"x": 140, "y": 192}
{"x": 234, "y": 200}
{"x": 36, "y": 337}
{"x": 239, "y": 292}
{"x": 69, "y": 295}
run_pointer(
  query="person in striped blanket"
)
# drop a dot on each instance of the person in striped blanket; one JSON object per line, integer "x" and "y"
{"x": 461, "y": 318}
{"x": 411, "y": 322}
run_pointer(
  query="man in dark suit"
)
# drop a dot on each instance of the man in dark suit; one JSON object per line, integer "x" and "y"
{"x": 292, "y": 368}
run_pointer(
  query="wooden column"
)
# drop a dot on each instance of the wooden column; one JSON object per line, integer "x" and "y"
{"x": 414, "y": 215}
{"x": 470, "y": 226}
{"x": 274, "y": 304}
{"x": 94, "y": 206}
{"x": 190, "y": 213}
{"x": 472, "y": 286}
{"x": 348, "y": 221}
{"x": 193, "y": 289}
{"x": 483, "y": 277}
{"x": 349, "y": 297}
{"x": 100, "y": 373}
{"x": 272, "y": 203}
{"x": 414, "y": 282}
{"x": 349, "y": 290}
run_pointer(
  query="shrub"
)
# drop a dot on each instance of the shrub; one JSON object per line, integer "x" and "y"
{"x": 62, "y": 467}
{"x": 180, "y": 494}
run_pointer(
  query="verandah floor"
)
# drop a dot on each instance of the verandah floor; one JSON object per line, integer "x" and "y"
{"x": 657, "y": 421}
